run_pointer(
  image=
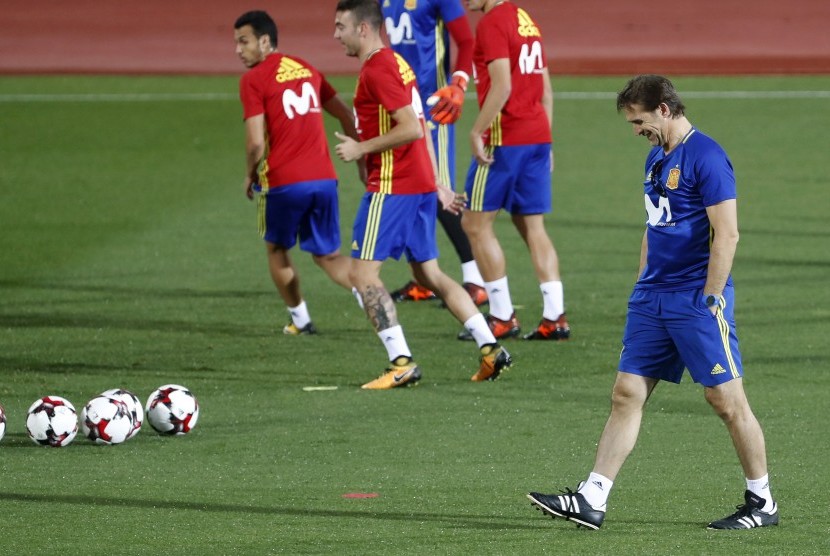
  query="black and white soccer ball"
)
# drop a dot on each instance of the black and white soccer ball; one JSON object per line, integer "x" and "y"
{"x": 133, "y": 406}
{"x": 172, "y": 409}
{"x": 52, "y": 421}
{"x": 106, "y": 420}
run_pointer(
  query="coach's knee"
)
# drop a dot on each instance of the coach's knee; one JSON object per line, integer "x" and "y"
{"x": 727, "y": 400}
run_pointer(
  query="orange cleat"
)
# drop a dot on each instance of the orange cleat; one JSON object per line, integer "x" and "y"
{"x": 494, "y": 359}
{"x": 403, "y": 371}
{"x": 551, "y": 330}
{"x": 501, "y": 328}
{"x": 477, "y": 293}
{"x": 413, "y": 291}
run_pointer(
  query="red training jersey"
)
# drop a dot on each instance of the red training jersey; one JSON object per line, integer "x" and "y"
{"x": 386, "y": 84}
{"x": 290, "y": 93}
{"x": 507, "y": 31}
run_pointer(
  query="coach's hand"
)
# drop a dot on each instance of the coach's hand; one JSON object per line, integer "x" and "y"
{"x": 446, "y": 103}
{"x": 348, "y": 150}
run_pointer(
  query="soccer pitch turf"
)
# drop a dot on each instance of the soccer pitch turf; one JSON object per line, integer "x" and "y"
{"x": 129, "y": 258}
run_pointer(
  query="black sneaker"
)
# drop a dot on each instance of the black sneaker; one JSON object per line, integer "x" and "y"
{"x": 749, "y": 515}
{"x": 569, "y": 505}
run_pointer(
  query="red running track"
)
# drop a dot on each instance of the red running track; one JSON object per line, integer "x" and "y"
{"x": 581, "y": 36}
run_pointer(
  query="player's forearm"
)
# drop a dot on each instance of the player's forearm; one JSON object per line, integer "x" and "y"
{"x": 547, "y": 97}
{"x": 497, "y": 96}
{"x": 254, "y": 154}
{"x": 723, "y": 217}
{"x": 496, "y": 99}
{"x": 254, "y": 144}
{"x": 721, "y": 257}
{"x": 337, "y": 108}
{"x": 399, "y": 135}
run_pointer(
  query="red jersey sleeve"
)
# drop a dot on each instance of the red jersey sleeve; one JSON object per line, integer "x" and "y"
{"x": 388, "y": 88}
{"x": 493, "y": 40}
{"x": 251, "y": 96}
{"x": 461, "y": 33}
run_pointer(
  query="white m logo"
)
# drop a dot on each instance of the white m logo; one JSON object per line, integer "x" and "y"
{"x": 302, "y": 104}
{"x": 403, "y": 30}
{"x": 655, "y": 213}
{"x": 530, "y": 58}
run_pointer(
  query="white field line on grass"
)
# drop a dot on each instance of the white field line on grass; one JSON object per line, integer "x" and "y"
{"x": 195, "y": 97}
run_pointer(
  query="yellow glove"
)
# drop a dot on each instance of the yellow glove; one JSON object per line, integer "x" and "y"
{"x": 446, "y": 102}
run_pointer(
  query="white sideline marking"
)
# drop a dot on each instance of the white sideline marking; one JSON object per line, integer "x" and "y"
{"x": 211, "y": 97}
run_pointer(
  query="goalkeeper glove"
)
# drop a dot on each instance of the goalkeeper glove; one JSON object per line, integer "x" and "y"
{"x": 447, "y": 101}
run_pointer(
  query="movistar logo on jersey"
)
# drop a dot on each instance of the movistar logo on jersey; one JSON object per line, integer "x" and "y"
{"x": 290, "y": 70}
{"x": 400, "y": 33}
{"x": 527, "y": 28}
{"x": 530, "y": 58}
{"x": 407, "y": 74}
{"x": 301, "y": 104}
{"x": 659, "y": 214}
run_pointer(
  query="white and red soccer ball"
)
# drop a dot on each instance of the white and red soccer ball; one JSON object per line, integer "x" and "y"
{"x": 133, "y": 406}
{"x": 172, "y": 409}
{"x": 2, "y": 422}
{"x": 106, "y": 420}
{"x": 52, "y": 421}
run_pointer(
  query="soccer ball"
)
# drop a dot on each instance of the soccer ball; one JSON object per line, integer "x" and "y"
{"x": 172, "y": 409}
{"x": 52, "y": 421}
{"x": 2, "y": 422}
{"x": 106, "y": 420}
{"x": 133, "y": 406}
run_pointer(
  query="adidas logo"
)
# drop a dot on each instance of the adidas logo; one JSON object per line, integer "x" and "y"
{"x": 290, "y": 70}
{"x": 355, "y": 246}
{"x": 598, "y": 484}
{"x": 718, "y": 370}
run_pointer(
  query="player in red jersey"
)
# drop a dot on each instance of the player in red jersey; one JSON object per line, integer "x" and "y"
{"x": 513, "y": 161}
{"x": 421, "y": 32}
{"x": 398, "y": 211}
{"x": 289, "y": 169}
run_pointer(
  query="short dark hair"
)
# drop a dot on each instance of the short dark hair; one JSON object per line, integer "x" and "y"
{"x": 649, "y": 91}
{"x": 261, "y": 23}
{"x": 363, "y": 10}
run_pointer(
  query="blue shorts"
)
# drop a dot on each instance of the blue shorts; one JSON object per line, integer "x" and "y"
{"x": 387, "y": 226}
{"x": 518, "y": 180}
{"x": 666, "y": 332}
{"x": 307, "y": 210}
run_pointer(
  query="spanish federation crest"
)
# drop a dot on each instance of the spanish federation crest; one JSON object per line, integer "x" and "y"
{"x": 673, "y": 179}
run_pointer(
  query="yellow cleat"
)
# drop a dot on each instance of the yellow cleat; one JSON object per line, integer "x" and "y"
{"x": 403, "y": 371}
{"x": 494, "y": 360}
{"x": 292, "y": 329}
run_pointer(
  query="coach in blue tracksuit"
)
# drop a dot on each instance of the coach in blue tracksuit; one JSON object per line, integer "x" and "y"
{"x": 681, "y": 313}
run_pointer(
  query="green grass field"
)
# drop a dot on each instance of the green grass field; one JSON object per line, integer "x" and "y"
{"x": 129, "y": 258}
